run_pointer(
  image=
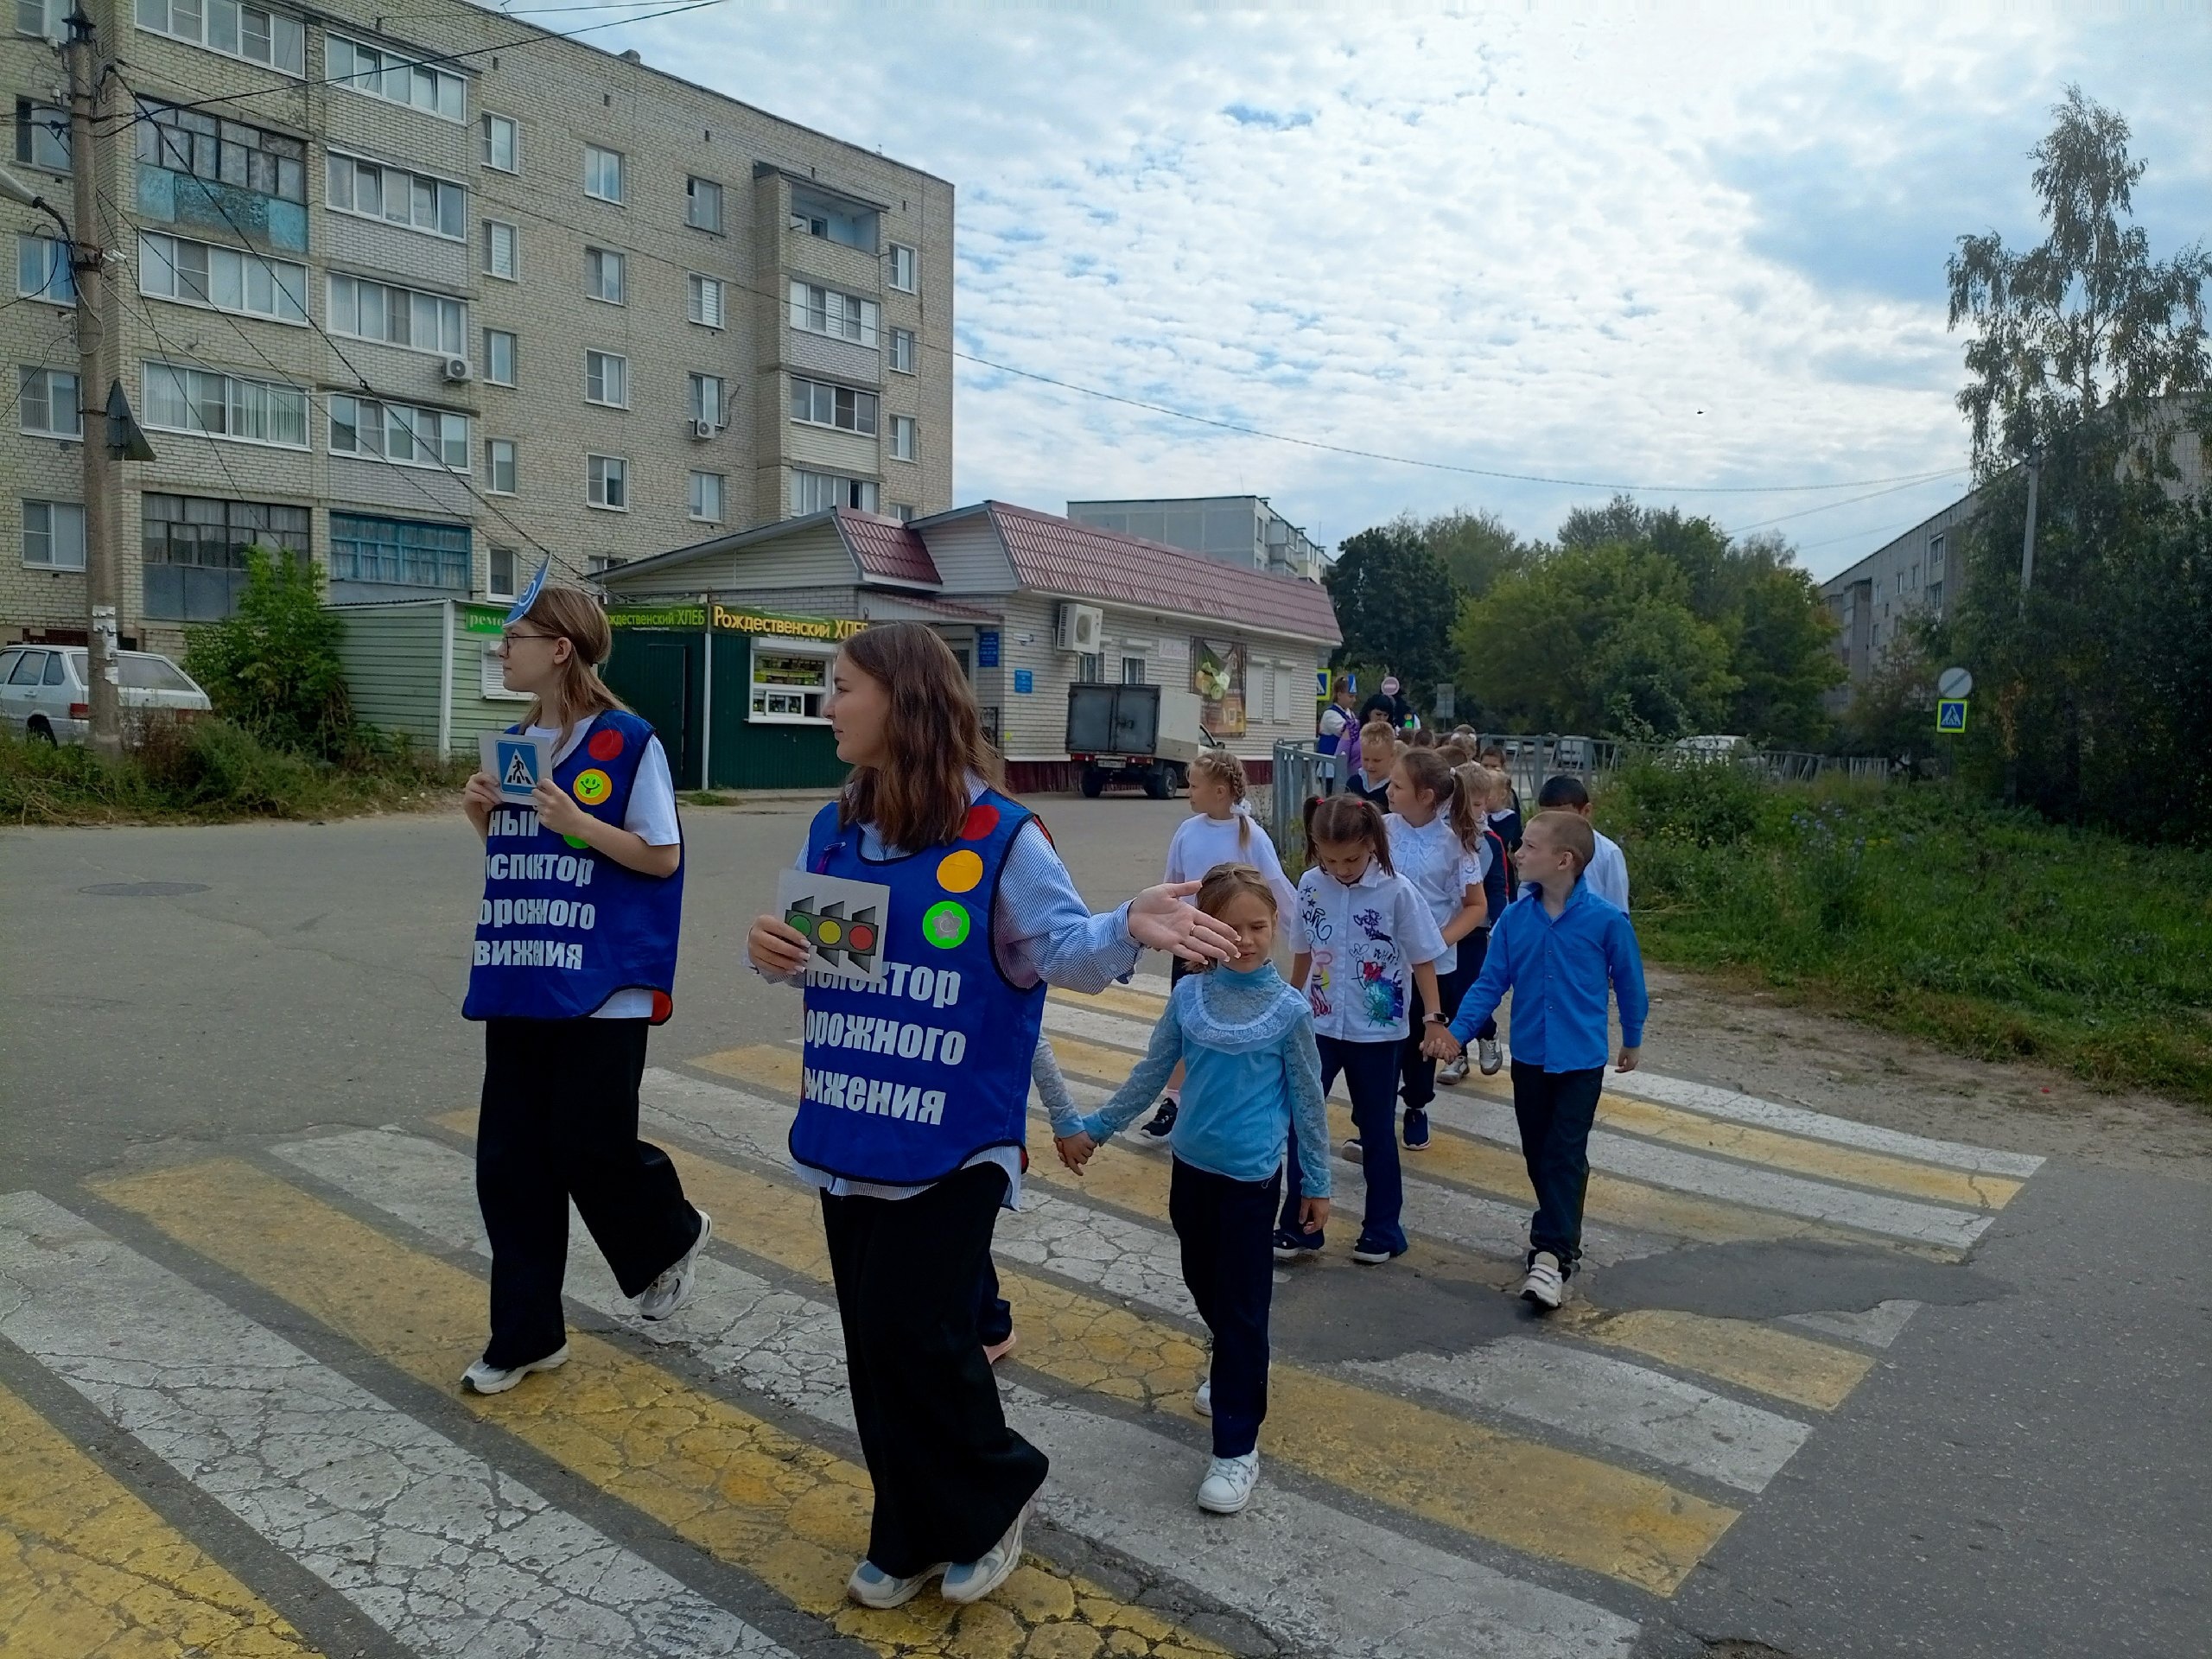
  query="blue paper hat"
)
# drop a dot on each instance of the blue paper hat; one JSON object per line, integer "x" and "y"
{"x": 530, "y": 594}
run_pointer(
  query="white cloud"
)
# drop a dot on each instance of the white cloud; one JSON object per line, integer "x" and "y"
{"x": 1675, "y": 246}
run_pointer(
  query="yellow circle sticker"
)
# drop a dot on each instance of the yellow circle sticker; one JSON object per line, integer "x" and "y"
{"x": 592, "y": 787}
{"x": 828, "y": 932}
{"x": 959, "y": 872}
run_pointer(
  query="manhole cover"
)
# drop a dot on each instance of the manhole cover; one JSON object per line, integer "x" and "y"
{"x": 144, "y": 889}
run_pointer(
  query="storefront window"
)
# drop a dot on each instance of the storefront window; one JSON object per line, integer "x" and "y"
{"x": 1218, "y": 675}
{"x": 790, "y": 680}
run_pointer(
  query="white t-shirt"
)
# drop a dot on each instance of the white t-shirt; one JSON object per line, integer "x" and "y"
{"x": 1440, "y": 867}
{"x": 1608, "y": 872}
{"x": 651, "y": 816}
{"x": 1365, "y": 940}
{"x": 1201, "y": 842}
{"x": 1334, "y": 718}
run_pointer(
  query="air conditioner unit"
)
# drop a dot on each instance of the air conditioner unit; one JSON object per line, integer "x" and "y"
{"x": 703, "y": 428}
{"x": 1078, "y": 627}
{"x": 456, "y": 369}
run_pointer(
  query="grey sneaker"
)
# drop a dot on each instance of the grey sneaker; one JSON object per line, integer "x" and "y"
{"x": 973, "y": 1580}
{"x": 674, "y": 1287}
{"x": 481, "y": 1378}
{"x": 1545, "y": 1286}
{"x": 1228, "y": 1485}
{"x": 1493, "y": 1057}
{"x": 872, "y": 1586}
{"x": 1453, "y": 1072}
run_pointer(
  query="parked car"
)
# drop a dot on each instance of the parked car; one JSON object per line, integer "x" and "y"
{"x": 1711, "y": 747}
{"x": 44, "y": 695}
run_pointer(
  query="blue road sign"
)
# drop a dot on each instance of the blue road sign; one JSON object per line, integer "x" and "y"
{"x": 1950, "y": 713}
{"x": 987, "y": 647}
{"x": 1024, "y": 682}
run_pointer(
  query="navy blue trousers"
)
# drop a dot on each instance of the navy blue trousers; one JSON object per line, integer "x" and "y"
{"x": 1370, "y": 1072}
{"x": 1229, "y": 1265}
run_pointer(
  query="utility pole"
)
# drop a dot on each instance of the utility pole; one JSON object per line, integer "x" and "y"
{"x": 87, "y": 266}
{"x": 2028, "y": 540}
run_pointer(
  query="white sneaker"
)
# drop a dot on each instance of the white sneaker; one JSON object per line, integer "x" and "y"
{"x": 674, "y": 1287}
{"x": 1493, "y": 1057}
{"x": 481, "y": 1378}
{"x": 973, "y": 1580}
{"x": 1228, "y": 1485}
{"x": 1545, "y": 1286}
{"x": 1452, "y": 1072}
{"x": 1204, "y": 1403}
{"x": 872, "y": 1586}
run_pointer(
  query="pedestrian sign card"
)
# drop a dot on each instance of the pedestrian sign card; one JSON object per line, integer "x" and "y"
{"x": 515, "y": 761}
{"x": 842, "y": 922}
{"x": 1951, "y": 714}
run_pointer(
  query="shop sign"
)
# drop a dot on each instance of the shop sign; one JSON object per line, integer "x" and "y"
{"x": 481, "y": 619}
{"x": 834, "y": 630}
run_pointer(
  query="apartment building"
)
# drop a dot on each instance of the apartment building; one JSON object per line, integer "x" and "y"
{"x": 1240, "y": 530}
{"x": 421, "y": 299}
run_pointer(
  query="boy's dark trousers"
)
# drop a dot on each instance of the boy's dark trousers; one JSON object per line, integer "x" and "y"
{"x": 994, "y": 1314}
{"x": 1370, "y": 1072}
{"x": 559, "y": 1121}
{"x": 1416, "y": 1070}
{"x": 1555, "y": 1109}
{"x": 1228, "y": 1266}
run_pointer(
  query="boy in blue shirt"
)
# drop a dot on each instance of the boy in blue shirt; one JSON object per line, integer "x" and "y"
{"x": 1558, "y": 947}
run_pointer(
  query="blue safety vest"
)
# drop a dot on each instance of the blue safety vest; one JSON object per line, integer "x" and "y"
{"x": 908, "y": 1079}
{"x": 561, "y": 928}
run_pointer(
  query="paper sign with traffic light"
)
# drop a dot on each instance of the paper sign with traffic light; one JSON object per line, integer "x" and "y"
{"x": 842, "y": 922}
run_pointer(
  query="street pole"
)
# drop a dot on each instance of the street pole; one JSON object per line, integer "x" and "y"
{"x": 2028, "y": 539}
{"x": 87, "y": 265}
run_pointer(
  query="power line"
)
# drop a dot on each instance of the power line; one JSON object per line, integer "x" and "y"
{"x": 45, "y": 345}
{"x": 1830, "y": 506}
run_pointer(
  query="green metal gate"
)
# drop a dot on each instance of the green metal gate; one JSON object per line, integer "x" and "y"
{"x": 662, "y": 675}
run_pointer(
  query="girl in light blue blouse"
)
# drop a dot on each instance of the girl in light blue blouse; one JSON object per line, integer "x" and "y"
{"x": 1245, "y": 1039}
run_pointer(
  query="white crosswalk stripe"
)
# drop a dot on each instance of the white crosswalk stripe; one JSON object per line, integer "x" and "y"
{"x": 433, "y": 1545}
{"x": 1311, "y": 1573}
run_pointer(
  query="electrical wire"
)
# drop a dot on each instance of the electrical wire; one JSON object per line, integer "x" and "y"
{"x": 67, "y": 326}
{"x": 1830, "y": 506}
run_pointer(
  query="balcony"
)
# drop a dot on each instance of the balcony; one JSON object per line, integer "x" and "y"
{"x": 223, "y": 210}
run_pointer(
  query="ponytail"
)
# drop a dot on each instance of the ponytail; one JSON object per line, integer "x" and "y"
{"x": 1338, "y": 819}
{"x": 1430, "y": 773}
{"x": 1225, "y": 768}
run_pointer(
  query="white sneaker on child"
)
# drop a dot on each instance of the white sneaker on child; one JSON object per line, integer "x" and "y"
{"x": 1202, "y": 1403}
{"x": 673, "y": 1288}
{"x": 972, "y": 1581}
{"x": 1228, "y": 1485}
{"x": 1493, "y": 1057}
{"x": 1545, "y": 1286}
{"x": 486, "y": 1378}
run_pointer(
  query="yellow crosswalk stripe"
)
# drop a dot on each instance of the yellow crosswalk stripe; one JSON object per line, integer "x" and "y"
{"x": 1114, "y": 999}
{"x": 1752, "y": 1356}
{"x": 87, "y": 1567}
{"x": 1491, "y": 1485}
{"x": 791, "y": 1515}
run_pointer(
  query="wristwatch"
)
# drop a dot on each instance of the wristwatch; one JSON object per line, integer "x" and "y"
{"x": 1435, "y": 1020}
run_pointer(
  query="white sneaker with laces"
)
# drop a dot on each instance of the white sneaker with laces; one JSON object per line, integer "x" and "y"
{"x": 1452, "y": 1072}
{"x": 872, "y": 1586}
{"x": 1203, "y": 1404}
{"x": 1493, "y": 1057}
{"x": 1545, "y": 1286}
{"x": 481, "y": 1378}
{"x": 1228, "y": 1485}
{"x": 973, "y": 1580}
{"x": 674, "y": 1287}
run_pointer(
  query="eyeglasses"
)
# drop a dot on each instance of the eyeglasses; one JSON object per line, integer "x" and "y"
{"x": 508, "y": 636}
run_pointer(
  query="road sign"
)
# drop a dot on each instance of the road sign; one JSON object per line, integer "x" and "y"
{"x": 1954, "y": 683}
{"x": 1951, "y": 714}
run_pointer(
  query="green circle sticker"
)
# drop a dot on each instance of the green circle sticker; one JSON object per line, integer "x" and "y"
{"x": 575, "y": 840}
{"x": 945, "y": 925}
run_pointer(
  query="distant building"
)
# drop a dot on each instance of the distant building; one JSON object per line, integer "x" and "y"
{"x": 1235, "y": 529}
{"x": 1917, "y": 575}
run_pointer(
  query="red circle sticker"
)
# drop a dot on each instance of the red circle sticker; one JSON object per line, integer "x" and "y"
{"x": 604, "y": 745}
{"x": 861, "y": 937}
{"x": 982, "y": 818}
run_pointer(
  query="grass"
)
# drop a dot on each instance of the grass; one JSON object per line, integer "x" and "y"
{"x": 1923, "y": 910}
{"x": 211, "y": 772}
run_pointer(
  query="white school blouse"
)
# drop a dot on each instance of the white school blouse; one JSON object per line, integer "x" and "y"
{"x": 1201, "y": 842}
{"x": 1441, "y": 870}
{"x": 1365, "y": 939}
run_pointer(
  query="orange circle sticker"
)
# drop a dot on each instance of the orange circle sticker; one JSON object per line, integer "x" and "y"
{"x": 959, "y": 872}
{"x": 592, "y": 787}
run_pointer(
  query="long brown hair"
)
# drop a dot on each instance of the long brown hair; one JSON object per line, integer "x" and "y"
{"x": 1430, "y": 773}
{"x": 1338, "y": 819}
{"x": 572, "y": 614}
{"x": 931, "y": 734}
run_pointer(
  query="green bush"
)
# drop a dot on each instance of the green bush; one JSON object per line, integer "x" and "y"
{"x": 272, "y": 668}
{"x": 1705, "y": 805}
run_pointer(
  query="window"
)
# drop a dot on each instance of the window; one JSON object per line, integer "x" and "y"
{"x": 237, "y": 31}
{"x": 815, "y": 402}
{"x": 597, "y": 564}
{"x": 603, "y": 275}
{"x": 502, "y": 144}
{"x": 417, "y": 200}
{"x": 607, "y": 482}
{"x": 706, "y": 301}
{"x": 389, "y": 76}
{"x": 502, "y": 251}
{"x": 41, "y": 135}
{"x": 603, "y": 173}
{"x": 399, "y": 316}
{"x": 1133, "y": 671}
{"x": 905, "y": 265}
{"x": 226, "y": 279}
{"x": 47, "y": 401}
{"x": 790, "y": 680}
{"x": 702, "y": 204}
{"x": 1915, "y": 573}
{"x": 905, "y": 438}
{"x": 825, "y": 311}
{"x": 222, "y": 152}
{"x": 706, "y": 401}
{"x": 398, "y": 552}
{"x": 1935, "y": 594}
{"x": 902, "y": 510}
{"x": 53, "y": 535}
{"x": 195, "y": 550}
{"x": 500, "y": 466}
{"x": 42, "y": 270}
{"x": 902, "y": 351}
{"x": 399, "y": 433}
{"x": 218, "y": 405}
{"x": 500, "y": 573}
{"x": 1086, "y": 667}
{"x": 707, "y": 496}
{"x": 498, "y": 357}
{"x": 1934, "y": 561}
{"x": 814, "y": 213}
{"x": 31, "y": 16}
{"x": 818, "y": 492}
{"x": 607, "y": 379}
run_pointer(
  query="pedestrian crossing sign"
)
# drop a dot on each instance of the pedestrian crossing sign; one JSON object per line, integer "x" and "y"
{"x": 1950, "y": 713}
{"x": 515, "y": 761}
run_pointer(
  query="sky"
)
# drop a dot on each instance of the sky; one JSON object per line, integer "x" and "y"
{"x": 1693, "y": 249}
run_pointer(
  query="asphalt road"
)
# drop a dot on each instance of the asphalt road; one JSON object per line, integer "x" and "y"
{"x": 2016, "y": 1461}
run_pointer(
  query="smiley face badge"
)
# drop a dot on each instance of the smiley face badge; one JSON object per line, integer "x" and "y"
{"x": 592, "y": 787}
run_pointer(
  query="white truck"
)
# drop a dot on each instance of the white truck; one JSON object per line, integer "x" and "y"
{"x": 1145, "y": 734}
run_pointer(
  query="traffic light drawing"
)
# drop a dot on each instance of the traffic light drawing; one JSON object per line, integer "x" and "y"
{"x": 855, "y": 937}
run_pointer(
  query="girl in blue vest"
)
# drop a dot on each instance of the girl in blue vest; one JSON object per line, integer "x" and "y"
{"x": 911, "y": 1115}
{"x": 575, "y": 957}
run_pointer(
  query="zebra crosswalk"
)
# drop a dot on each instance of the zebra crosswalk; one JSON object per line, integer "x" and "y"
{"x": 281, "y": 1328}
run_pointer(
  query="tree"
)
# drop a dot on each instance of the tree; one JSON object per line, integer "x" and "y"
{"x": 1477, "y": 549}
{"x": 1394, "y": 603}
{"x": 273, "y": 666}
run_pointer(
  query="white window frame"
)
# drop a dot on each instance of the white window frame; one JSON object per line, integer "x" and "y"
{"x": 52, "y": 509}
{"x": 905, "y": 347}
{"x": 59, "y": 285}
{"x": 595, "y": 157}
{"x": 692, "y": 198}
{"x": 904, "y": 512}
{"x": 721, "y": 497}
{"x": 844, "y": 488}
{"x": 336, "y": 313}
{"x": 867, "y": 315}
{"x": 51, "y": 120}
{"x": 157, "y": 252}
{"x": 622, "y": 368}
{"x": 148, "y": 417}
{"x": 485, "y": 118}
{"x": 694, "y": 404}
{"x": 492, "y": 447}
{"x": 412, "y": 414}
{"x": 23, "y": 377}
{"x": 911, "y": 449}
{"x": 491, "y": 358}
{"x": 491, "y": 229}
{"x": 600, "y": 464}
{"x": 386, "y": 172}
{"x": 341, "y": 49}
{"x": 297, "y": 31}
{"x": 621, "y": 273}
{"x": 695, "y": 288}
{"x": 774, "y": 704}
{"x": 492, "y": 587}
{"x": 814, "y": 387}
{"x": 898, "y": 255}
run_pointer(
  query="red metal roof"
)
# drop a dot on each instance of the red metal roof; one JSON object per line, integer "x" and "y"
{"x": 885, "y": 549}
{"x": 1081, "y": 561}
